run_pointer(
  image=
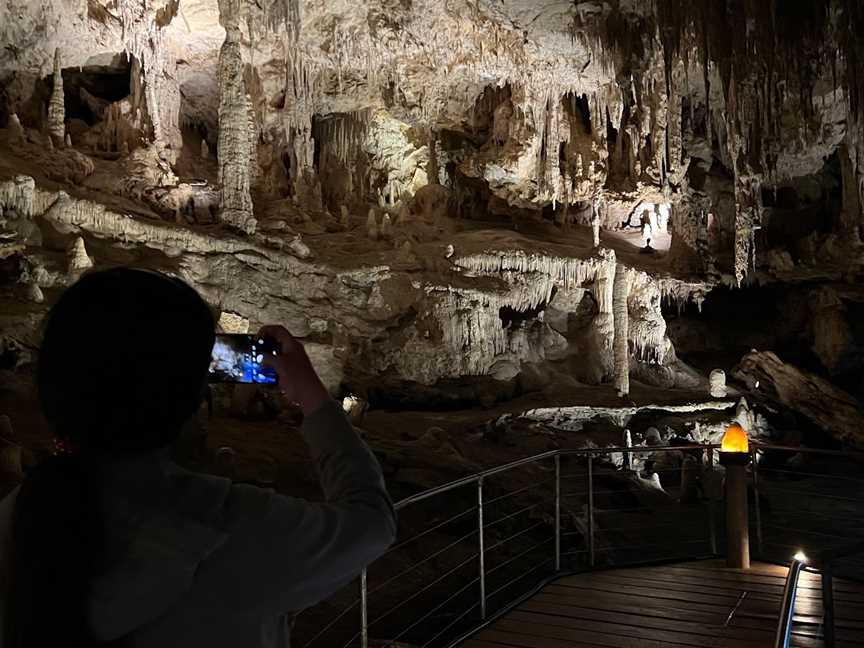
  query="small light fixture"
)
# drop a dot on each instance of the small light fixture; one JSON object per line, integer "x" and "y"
{"x": 800, "y": 557}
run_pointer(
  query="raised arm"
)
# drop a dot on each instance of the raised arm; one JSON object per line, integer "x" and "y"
{"x": 289, "y": 553}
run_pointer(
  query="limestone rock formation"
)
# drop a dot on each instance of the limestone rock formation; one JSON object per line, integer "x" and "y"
{"x": 832, "y": 409}
{"x": 78, "y": 259}
{"x": 56, "y": 105}
{"x": 236, "y": 147}
{"x": 513, "y": 164}
{"x": 717, "y": 383}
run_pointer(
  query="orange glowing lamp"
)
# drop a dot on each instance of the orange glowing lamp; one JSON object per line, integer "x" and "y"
{"x": 735, "y": 440}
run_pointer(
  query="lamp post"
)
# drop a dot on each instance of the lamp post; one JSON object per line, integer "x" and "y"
{"x": 735, "y": 456}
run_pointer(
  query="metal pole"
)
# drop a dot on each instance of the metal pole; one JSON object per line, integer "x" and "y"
{"x": 482, "y": 549}
{"x": 591, "y": 510}
{"x": 557, "y": 513}
{"x": 364, "y": 626}
{"x": 756, "y": 504}
{"x": 828, "y": 605}
{"x": 712, "y": 523}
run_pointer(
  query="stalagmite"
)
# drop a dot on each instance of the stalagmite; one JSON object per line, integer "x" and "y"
{"x": 78, "y": 259}
{"x": 628, "y": 457}
{"x": 205, "y": 150}
{"x": 386, "y": 227}
{"x": 16, "y": 131}
{"x": 620, "y": 313}
{"x": 344, "y": 218}
{"x": 33, "y": 293}
{"x": 372, "y": 225}
{"x": 595, "y": 221}
{"x": 68, "y": 140}
{"x": 717, "y": 383}
{"x": 56, "y": 105}
{"x": 237, "y": 135}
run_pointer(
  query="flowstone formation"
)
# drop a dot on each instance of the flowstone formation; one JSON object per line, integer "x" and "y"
{"x": 453, "y": 204}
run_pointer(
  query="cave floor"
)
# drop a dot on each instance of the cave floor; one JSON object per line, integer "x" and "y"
{"x": 684, "y": 604}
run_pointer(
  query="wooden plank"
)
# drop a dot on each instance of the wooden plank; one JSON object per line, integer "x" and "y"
{"x": 682, "y": 605}
{"x": 756, "y": 575}
{"x": 660, "y": 612}
{"x": 602, "y": 638}
{"x": 521, "y": 640}
{"x": 568, "y": 636}
{"x": 759, "y": 604}
{"x": 701, "y": 584}
{"x": 724, "y": 601}
{"x": 480, "y": 643}
{"x": 626, "y": 618}
{"x": 696, "y": 586}
{"x": 634, "y": 629}
{"x": 721, "y": 611}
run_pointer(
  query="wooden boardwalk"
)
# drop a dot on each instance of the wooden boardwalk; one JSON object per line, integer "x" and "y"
{"x": 700, "y": 604}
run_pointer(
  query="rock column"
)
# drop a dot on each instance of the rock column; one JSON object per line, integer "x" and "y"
{"x": 236, "y": 131}
{"x": 621, "y": 346}
{"x": 56, "y": 105}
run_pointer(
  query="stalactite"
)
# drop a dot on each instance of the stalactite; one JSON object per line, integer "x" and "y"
{"x": 19, "y": 194}
{"x": 144, "y": 39}
{"x": 748, "y": 216}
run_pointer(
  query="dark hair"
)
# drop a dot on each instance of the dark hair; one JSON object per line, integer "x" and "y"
{"x": 122, "y": 367}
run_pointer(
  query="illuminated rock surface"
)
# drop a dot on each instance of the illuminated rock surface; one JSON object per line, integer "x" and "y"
{"x": 467, "y": 211}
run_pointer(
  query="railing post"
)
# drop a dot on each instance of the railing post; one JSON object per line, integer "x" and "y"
{"x": 756, "y": 503}
{"x": 590, "y": 510}
{"x": 557, "y": 513}
{"x": 712, "y": 523}
{"x": 364, "y": 626}
{"x": 737, "y": 519}
{"x": 828, "y": 605}
{"x": 482, "y": 549}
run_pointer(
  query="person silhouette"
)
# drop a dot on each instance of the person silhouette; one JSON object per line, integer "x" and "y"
{"x": 112, "y": 542}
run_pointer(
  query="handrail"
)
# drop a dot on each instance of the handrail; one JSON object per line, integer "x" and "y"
{"x": 477, "y": 480}
{"x": 549, "y": 454}
{"x": 787, "y": 609}
{"x": 804, "y": 450}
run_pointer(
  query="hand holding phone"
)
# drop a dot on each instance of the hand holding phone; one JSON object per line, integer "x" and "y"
{"x": 240, "y": 359}
{"x": 298, "y": 380}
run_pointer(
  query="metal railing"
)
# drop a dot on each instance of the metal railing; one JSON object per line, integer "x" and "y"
{"x": 827, "y": 528}
{"x": 824, "y": 566}
{"x": 486, "y": 547}
{"x": 809, "y": 500}
{"x": 504, "y": 540}
{"x": 787, "y": 606}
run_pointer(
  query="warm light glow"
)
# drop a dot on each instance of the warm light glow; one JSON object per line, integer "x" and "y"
{"x": 735, "y": 439}
{"x": 800, "y": 557}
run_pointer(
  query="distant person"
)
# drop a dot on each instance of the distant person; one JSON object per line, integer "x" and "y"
{"x": 111, "y": 542}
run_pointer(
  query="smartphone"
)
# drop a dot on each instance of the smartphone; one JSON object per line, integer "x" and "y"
{"x": 238, "y": 358}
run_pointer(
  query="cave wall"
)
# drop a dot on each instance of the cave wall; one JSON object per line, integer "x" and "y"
{"x": 232, "y": 138}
